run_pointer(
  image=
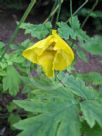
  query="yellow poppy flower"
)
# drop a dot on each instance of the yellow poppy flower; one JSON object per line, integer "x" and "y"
{"x": 52, "y": 53}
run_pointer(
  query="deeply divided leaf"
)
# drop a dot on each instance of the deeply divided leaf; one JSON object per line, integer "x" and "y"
{"x": 57, "y": 114}
{"x": 11, "y": 80}
{"x": 37, "y": 31}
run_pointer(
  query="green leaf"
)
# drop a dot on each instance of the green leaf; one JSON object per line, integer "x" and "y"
{"x": 82, "y": 55}
{"x": 94, "y": 45}
{"x": 1, "y": 45}
{"x": 1, "y": 49}
{"x": 56, "y": 114}
{"x": 26, "y": 43}
{"x": 65, "y": 31}
{"x": 11, "y": 106}
{"x": 74, "y": 22}
{"x": 94, "y": 14}
{"x": 16, "y": 58}
{"x": 94, "y": 78}
{"x": 11, "y": 81}
{"x": 38, "y": 31}
{"x": 92, "y": 111}
{"x": 13, "y": 118}
{"x": 2, "y": 72}
{"x": 77, "y": 86}
{"x": 81, "y": 35}
{"x": 95, "y": 131}
{"x": 73, "y": 30}
{"x": 75, "y": 25}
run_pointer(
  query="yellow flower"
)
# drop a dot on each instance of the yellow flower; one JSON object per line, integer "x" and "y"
{"x": 52, "y": 53}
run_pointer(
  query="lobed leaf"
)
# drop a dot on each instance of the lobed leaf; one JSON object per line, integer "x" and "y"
{"x": 11, "y": 80}
{"x": 77, "y": 86}
{"x": 92, "y": 111}
{"x": 57, "y": 114}
{"x": 72, "y": 30}
{"x": 38, "y": 31}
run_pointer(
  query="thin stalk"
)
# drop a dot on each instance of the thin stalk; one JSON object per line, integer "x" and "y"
{"x": 93, "y": 7}
{"x": 80, "y": 7}
{"x": 71, "y": 10}
{"x": 53, "y": 12}
{"x": 12, "y": 39}
{"x": 78, "y": 10}
{"x": 48, "y": 18}
{"x": 59, "y": 10}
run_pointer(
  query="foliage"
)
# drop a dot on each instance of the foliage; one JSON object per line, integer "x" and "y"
{"x": 95, "y": 131}
{"x": 11, "y": 80}
{"x": 94, "y": 78}
{"x": 59, "y": 109}
{"x": 94, "y": 14}
{"x": 73, "y": 30}
{"x": 37, "y": 31}
{"x": 93, "y": 45}
{"x": 54, "y": 106}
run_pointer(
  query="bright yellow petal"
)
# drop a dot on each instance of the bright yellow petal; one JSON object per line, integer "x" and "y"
{"x": 62, "y": 60}
{"x": 46, "y": 61}
{"x": 30, "y": 55}
{"x": 37, "y": 49}
{"x": 61, "y": 44}
{"x": 51, "y": 53}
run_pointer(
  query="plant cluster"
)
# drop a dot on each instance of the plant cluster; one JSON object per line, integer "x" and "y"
{"x": 70, "y": 104}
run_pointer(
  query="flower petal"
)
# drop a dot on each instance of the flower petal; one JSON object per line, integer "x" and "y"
{"x": 62, "y": 60}
{"x": 61, "y": 44}
{"x": 37, "y": 49}
{"x": 46, "y": 61}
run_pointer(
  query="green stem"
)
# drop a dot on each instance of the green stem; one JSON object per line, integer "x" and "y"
{"x": 59, "y": 9}
{"x": 53, "y": 12}
{"x": 48, "y": 18}
{"x": 93, "y": 7}
{"x": 12, "y": 39}
{"x": 78, "y": 10}
{"x": 80, "y": 7}
{"x": 71, "y": 10}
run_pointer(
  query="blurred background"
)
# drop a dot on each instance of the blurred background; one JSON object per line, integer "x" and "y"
{"x": 12, "y": 10}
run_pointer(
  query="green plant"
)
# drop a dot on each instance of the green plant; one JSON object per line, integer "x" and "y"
{"x": 69, "y": 104}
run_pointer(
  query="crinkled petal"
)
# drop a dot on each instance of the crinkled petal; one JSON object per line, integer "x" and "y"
{"x": 62, "y": 60}
{"x": 46, "y": 61}
{"x": 37, "y": 49}
{"x": 52, "y": 53}
{"x": 62, "y": 45}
